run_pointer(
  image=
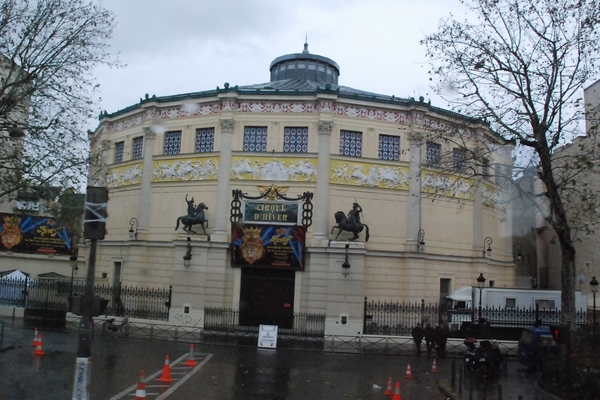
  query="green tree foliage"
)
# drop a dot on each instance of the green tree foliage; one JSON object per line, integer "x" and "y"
{"x": 48, "y": 51}
{"x": 521, "y": 65}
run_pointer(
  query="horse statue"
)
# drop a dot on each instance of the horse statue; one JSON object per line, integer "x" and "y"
{"x": 349, "y": 224}
{"x": 195, "y": 217}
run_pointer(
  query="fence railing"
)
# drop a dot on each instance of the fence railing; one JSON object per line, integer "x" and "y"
{"x": 227, "y": 320}
{"x": 146, "y": 303}
{"x": 383, "y": 318}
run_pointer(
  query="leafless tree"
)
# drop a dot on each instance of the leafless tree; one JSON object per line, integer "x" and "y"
{"x": 48, "y": 52}
{"x": 521, "y": 65}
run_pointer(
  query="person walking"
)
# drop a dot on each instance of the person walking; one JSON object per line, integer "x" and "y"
{"x": 417, "y": 334}
{"x": 429, "y": 342}
{"x": 444, "y": 333}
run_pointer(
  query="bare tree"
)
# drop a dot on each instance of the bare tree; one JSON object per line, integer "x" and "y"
{"x": 48, "y": 51}
{"x": 521, "y": 65}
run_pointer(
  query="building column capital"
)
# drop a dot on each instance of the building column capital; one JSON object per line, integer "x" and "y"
{"x": 227, "y": 125}
{"x": 149, "y": 134}
{"x": 325, "y": 127}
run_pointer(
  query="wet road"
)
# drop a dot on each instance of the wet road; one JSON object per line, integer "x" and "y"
{"x": 225, "y": 372}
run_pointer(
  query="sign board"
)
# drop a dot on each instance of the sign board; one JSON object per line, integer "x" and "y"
{"x": 272, "y": 212}
{"x": 34, "y": 234}
{"x": 267, "y": 336}
{"x": 271, "y": 246}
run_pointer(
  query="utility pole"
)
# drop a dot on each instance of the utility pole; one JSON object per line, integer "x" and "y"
{"x": 94, "y": 228}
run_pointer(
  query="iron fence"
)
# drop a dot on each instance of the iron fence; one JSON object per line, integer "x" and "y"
{"x": 220, "y": 319}
{"x": 397, "y": 319}
{"x": 145, "y": 303}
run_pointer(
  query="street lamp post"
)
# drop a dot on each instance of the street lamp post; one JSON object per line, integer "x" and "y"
{"x": 74, "y": 267}
{"x": 594, "y": 288}
{"x": 480, "y": 283}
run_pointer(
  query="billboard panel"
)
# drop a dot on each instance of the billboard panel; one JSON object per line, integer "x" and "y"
{"x": 34, "y": 234}
{"x": 272, "y": 246}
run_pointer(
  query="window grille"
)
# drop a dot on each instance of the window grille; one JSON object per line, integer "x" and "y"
{"x": 205, "y": 140}
{"x": 459, "y": 160}
{"x": 255, "y": 138}
{"x": 119, "y": 146}
{"x": 172, "y": 143}
{"x": 434, "y": 154}
{"x": 389, "y": 147}
{"x": 138, "y": 145}
{"x": 350, "y": 143}
{"x": 295, "y": 140}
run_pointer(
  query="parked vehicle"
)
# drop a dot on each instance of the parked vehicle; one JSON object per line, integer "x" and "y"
{"x": 464, "y": 304}
{"x": 534, "y": 345}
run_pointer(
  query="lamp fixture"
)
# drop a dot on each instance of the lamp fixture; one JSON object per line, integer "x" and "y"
{"x": 517, "y": 255}
{"x": 187, "y": 258}
{"x": 487, "y": 241}
{"x": 594, "y": 285}
{"x": 346, "y": 264}
{"x": 73, "y": 261}
{"x": 133, "y": 233}
{"x": 421, "y": 240}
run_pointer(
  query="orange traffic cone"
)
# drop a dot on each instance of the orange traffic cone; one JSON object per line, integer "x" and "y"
{"x": 434, "y": 366}
{"x": 140, "y": 392}
{"x": 166, "y": 372}
{"x": 38, "y": 347}
{"x": 408, "y": 373}
{"x": 34, "y": 342}
{"x": 191, "y": 362}
{"x": 388, "y": 389}
{"x": 397, "y": 392}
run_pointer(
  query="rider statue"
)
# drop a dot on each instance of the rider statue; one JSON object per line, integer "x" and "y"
{"x": 354, "y": 214}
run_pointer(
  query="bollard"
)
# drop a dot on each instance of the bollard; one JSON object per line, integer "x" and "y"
{"x": 520, "y": 397}
{"x": 460, "y": 380}
{"x": 471, "y": 389}
{"x": 453, "y": 374}
{"x": 499, "y": 392}
{"x": 505, "y": 363}
{"x": 484, "y": 392}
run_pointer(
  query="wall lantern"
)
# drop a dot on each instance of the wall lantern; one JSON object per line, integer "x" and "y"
{"x": 487, "y": 242}
{"x": 133, "y": 232}
{"x": 421, "y": 240}
{"x": 346, "y": 264}
{"x": 187, "y": 258}
{"x": 517, "y": 255}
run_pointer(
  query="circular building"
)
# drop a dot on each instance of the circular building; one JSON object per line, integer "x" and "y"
{"x": 300, "y": 196}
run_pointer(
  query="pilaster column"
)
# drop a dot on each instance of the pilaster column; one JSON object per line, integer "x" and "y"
{"x": 478, "y": 234}
{"x": 145, "y": 189}
{"x": 321, "y": 199}
{"x": 220, "y": 234}
{"x": 414, "y": 200}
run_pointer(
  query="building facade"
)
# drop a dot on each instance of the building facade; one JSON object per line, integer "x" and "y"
{"x": 428, "y": 225}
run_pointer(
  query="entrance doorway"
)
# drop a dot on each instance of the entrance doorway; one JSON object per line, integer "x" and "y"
{"x": 267, "y": 297}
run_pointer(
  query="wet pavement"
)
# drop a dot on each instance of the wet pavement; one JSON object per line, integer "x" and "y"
{"x": 225, "y": 372}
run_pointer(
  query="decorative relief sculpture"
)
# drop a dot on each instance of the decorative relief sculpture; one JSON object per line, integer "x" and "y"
{"x": 381, "y": 176}
{"x": 186, "y": 170}
{"x": 274, "y": 170}
{"x": 121, "y": 177}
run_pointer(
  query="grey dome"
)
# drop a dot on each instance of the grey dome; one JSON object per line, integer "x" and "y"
{"x": 304, "y": 65}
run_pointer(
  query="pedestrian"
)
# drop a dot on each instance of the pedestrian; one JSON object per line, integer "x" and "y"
{"x": 429, "y": 342}
{"x": 417, "y": 334}
{"x": 437, "y": 340}
{"x": 444, "y": 339}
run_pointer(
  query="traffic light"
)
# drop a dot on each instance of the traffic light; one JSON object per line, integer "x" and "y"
{"x": 94, "y": 224}
{"x": 560, "y": 333}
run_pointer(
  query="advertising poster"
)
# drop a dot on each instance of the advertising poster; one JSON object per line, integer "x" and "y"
{"x": 34, "y": 234}
{"x": 268, "y": 246}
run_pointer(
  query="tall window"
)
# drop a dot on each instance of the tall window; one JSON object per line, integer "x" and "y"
{"x": 255, "y": 138}
{"x": 172, "y": 143}
{"x": 205, "y": 140}
{"x": 350, "y": 143}
{"x": 485, "y": 168}
{"x": 138, "y": 146}
{"x": 459, "y": 160}
{"x": 119, "y": 146}
{"x": 433, "y": 156}
{"x": 295, "y": 139}
{"x": 389, "y": 147}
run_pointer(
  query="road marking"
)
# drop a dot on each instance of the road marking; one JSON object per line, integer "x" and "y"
{"x": 130, "y": 391}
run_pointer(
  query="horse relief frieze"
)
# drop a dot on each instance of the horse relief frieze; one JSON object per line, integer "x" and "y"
{"x": 185, "y": 170}
{"x": 274, "y": 169}
{"x": 375, "y": 175}
{"x": 124, "y": 176}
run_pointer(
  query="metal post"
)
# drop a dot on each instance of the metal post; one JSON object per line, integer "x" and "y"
{"x": 499, "y": 392}
{"x": 453, "y": 374}
{"x": 460, "y": 379}
{"x": 71, "y": 289}
{"x": 86, "y": 325}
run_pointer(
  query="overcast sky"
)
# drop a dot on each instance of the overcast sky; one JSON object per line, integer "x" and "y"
{"x": 180, "y": 46}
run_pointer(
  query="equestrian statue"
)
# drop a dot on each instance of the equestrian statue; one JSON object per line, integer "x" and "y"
{"x": 351, "y": 223}
{"x": 195, "y": 216}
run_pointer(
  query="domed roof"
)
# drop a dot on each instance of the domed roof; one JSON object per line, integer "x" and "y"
{"x": 306, "y": 66}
